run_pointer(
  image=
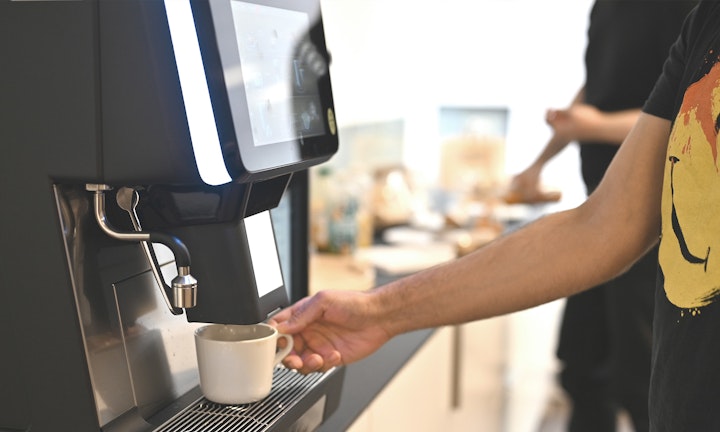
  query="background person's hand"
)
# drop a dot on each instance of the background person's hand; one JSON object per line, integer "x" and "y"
{"x": 525, "y": 188}
{"x": 525, "y": 185}
{"x": 575, "y": 122}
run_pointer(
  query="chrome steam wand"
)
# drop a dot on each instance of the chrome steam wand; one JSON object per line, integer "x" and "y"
{"x": 184, "y": 285}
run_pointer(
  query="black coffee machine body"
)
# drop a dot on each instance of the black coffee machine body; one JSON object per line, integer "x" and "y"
{"x": 148, "y": 148}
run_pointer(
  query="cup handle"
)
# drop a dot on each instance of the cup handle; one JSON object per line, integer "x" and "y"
{"x": 283, "y": 351}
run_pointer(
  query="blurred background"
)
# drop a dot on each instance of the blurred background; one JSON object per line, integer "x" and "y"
{"x": 438, "y": 104}
{"x": 405, "y": 61}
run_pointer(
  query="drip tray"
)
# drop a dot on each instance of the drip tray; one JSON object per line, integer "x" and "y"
{"x": 293, "y": 395}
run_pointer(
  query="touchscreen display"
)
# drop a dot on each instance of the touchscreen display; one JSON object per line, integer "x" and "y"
{"x": 279, "y": 74}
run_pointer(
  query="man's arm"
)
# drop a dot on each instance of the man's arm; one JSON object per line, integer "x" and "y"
{"x": 578, "y": 122}
{"x": 557, "y": 256}
{"x": 527, "y": 182}
{"x": 557, "y": 142}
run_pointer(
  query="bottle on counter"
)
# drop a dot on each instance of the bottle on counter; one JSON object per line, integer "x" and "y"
{"x": 340, "y": 221}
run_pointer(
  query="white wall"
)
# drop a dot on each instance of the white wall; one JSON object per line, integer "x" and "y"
{"x": 403, "y": 59}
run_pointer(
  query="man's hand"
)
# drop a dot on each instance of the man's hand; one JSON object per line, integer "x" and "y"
{"x": 330, "y": 329}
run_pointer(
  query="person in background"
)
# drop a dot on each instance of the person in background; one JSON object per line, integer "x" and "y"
{"x": 606, "y": 332}
{"x": 662, "y": 186}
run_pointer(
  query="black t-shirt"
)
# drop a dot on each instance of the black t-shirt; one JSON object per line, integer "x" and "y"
{"x": 628, "y": 42}
{"x": 685, "y": 383}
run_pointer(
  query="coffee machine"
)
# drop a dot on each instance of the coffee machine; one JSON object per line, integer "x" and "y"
{"x": 153, "y": 173}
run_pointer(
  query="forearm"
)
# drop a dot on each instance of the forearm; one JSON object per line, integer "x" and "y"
{"x": 554, "y": 257}
{"x": 609, "y": 127}
{"x": 551, "y": 258}
{"x": 511, "y": 274}
{"x": 554, "y": 146}
{"x": 556, "y": 143}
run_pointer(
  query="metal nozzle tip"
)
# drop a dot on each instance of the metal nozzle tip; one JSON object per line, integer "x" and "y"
{"x": 184, "y": 291}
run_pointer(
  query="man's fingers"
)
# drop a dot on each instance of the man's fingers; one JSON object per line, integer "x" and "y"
{"x": 297, "y": 317}
{"x": 280, "y": 319}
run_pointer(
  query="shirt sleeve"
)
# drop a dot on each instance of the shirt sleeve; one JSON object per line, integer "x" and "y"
{"x": 666, "y": 96}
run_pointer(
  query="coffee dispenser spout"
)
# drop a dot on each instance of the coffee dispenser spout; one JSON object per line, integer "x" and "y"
{"x": 184, "y": 285}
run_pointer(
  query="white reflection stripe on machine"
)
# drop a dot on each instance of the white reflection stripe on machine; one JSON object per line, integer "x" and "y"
{"x": 196, "y": 95}
{"x": 263, "y": 252}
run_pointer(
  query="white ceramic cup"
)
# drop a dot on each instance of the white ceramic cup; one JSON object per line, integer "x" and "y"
{"x": 236, "y": 362}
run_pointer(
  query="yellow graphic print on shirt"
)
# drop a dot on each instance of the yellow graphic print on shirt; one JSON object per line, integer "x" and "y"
{"x": 690, "y": 248}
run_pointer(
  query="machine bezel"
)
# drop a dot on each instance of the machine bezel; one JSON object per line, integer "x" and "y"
{"x": 222, "y": 61}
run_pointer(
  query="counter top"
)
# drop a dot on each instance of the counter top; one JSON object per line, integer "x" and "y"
{"x": 364, "y": 379}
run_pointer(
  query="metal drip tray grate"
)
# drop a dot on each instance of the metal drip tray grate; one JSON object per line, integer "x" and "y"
{"x": 289, "y": 387}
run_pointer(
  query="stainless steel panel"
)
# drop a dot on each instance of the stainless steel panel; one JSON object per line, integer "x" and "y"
{"x": 160, "y": 346}
{"x": 138, "y": 353}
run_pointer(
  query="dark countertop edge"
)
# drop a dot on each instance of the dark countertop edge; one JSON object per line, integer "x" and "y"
{"x": 365, "y": 379}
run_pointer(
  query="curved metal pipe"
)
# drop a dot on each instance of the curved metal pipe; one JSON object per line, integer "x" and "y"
{"x": 184, "y": 285}
{"x": 102, "y": 221}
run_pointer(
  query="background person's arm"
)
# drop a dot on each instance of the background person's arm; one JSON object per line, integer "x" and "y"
{"x": 582, "y": 122}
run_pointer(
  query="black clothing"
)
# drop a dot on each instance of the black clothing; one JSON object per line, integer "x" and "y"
{"x": 628, "y": 42}
{"x": 685, "y": 384}
{"x": 605, "y": 347}
{"x": 606, "y": 334}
